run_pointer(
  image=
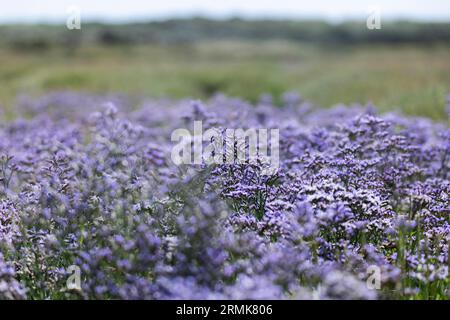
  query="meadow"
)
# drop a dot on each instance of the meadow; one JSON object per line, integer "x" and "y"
{"x": 410, "y": 78}
{"x": 93, "y": 205}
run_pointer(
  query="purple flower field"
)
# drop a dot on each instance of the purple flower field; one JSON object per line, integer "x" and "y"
{"x": 359, "y": 207}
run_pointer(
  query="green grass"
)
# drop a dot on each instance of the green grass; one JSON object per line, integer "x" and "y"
{"x": 412, "y": 79}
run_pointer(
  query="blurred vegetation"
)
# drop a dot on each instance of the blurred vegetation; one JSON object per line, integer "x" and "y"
{"x": 404, "y": 66}
{"x": 178, "y": 31}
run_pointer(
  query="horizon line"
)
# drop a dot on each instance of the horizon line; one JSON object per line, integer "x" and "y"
{"x": 147, "y": 19}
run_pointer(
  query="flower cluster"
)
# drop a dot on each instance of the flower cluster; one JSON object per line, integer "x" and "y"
{"x": 88, "y": 181}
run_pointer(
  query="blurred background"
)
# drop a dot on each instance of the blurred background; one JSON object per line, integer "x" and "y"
{"x": 322, "y": 49}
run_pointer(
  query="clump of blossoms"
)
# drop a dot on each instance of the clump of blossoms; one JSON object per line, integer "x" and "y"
{"x": 87, "y": 181}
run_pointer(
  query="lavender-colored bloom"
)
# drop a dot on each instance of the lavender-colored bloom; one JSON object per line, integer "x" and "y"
{"x": 88, "y": 181}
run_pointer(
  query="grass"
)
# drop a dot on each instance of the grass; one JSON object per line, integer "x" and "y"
{"x": 412, "y": 79}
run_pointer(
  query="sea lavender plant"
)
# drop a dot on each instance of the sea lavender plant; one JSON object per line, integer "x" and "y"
{"x": 87, "y": 181}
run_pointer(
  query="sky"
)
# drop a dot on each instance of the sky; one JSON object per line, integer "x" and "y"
{"x": 55, "y": 11}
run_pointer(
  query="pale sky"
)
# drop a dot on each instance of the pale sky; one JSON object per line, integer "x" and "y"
{"x": 119, "y": 11}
